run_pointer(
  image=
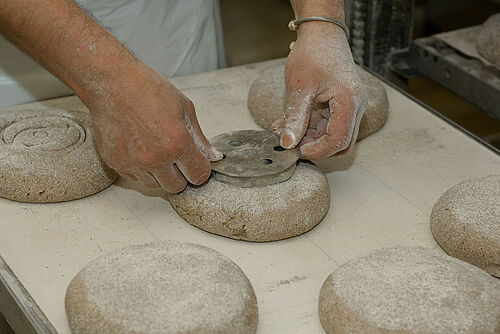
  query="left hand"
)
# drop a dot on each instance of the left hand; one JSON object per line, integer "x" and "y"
{"x": 320, "y": 69}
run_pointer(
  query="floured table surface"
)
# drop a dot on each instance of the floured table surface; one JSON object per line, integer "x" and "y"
{"x": 383, "y": 199}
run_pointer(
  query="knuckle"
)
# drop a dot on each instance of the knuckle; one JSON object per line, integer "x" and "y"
{"x": 176, "y": 145}
{"x": 156, "y": 156}
{"x": 149, "y": 158}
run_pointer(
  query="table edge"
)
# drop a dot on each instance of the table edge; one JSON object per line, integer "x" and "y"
{"x": 18, "y": 307}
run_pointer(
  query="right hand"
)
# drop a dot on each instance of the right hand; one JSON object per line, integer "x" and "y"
{"x": 147, "y": 130}
{"x": 320, "y": 70}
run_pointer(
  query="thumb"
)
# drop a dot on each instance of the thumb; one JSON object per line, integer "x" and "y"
{"x": 298, "y": 107}
{"x": 210, "y": 152}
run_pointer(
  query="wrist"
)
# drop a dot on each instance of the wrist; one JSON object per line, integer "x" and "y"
{"x": 322, "y": 32}
{"x": 328, "y": 8}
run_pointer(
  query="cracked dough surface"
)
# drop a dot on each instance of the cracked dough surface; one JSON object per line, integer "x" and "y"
{"x": 409, "y": 290}
{"x": 465, "y": 222}
{"x": 49, "y": 156}
{"x": 268, "y": 213}
{"x": 165, "y": 287}
{"x": 266, "y": 100}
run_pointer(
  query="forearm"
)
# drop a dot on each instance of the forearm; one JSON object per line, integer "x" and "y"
{"x": 60, "y": 36}
{"x": 329, "y": 8}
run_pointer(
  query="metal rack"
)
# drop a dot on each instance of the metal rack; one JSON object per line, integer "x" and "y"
{"x": 467, "y": 77}
{"x": 378, "y": 28}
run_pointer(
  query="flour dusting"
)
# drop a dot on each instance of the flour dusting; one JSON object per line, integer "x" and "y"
{"x": 163, "y": 287}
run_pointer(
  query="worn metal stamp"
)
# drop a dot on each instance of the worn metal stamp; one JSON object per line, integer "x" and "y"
{"x": 253, "y": 158}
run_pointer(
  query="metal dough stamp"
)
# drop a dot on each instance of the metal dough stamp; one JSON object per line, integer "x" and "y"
{"x": 253, "y": 158}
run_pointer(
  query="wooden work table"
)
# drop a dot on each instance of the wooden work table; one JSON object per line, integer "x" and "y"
{"x": 381, "y": 197}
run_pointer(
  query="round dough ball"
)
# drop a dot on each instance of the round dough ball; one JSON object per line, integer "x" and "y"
{"x": 266, "y": 100}
{"x": 488, "y": 40}
{"x": 465, "y": 222}
{"x": 49, "y": 156}
{"x": 162, "y": 287}
{"x": 274, "y": 212}
{"x": 409, "y": 290}
{"x": 377, "y": 111}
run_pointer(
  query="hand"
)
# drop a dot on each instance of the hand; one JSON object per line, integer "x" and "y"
{"x": 147, "y": 130}
{"x": 144, "y": 128}
{"x": 320, "y": 71}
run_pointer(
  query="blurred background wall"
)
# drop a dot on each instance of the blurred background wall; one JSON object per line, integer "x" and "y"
{"x": 257, "y": 30}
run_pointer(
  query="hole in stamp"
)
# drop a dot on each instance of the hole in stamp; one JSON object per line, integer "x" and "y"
{"x": 279, "y": 148}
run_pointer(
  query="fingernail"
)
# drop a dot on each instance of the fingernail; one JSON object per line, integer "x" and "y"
{"x": 287, "y": 139}
{"x": 215, "y": 155}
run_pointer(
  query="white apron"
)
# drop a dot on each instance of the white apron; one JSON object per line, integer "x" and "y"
{"x": 175, "y": 37}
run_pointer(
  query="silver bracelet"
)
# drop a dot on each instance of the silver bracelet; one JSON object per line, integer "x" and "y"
{"x": 294, "y": 24}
